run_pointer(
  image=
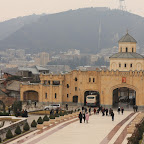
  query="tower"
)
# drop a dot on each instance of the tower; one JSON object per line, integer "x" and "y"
{"x": 122, "y": 5}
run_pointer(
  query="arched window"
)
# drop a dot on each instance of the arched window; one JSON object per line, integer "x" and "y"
{"x": 125, "y": 65}
{"x": 89, "y": 79}
{"x": 45, "y": 95}
{"x": 93, "y": 79}
{"x": 126, "y": 49}
{"x": 119, "y": 64}
{"x": 130, "y": 65}
{"x": 132, "y": 50}
{"x": 75, "y": 99}
{"x": 67, "y": 95}
{"x": 75, "y": 78}
{"x": 67, "y": 85}
{"x": 75, "y": 88}
{"x": 55, "y": 95}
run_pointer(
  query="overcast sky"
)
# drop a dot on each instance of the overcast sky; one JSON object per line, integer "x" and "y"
{"x": 14, "y": 8}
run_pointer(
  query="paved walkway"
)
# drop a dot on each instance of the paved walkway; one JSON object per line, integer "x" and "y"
{"x": 99, "y": 130}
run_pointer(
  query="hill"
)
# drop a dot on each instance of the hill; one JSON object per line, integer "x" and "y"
{"x": 88, "y": 29}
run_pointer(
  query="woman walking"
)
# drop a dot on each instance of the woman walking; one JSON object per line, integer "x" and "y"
{"x": 87, "y": 117}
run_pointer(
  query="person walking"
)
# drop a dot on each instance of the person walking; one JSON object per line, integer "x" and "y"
{"x": 94, "y": 111}
{"x": 106, "y": 112}
{"x": 85, "y": 110}
{"x": 112, "y": 115}
{"x": 90, "y": 110}
{"x": 118, "y": 110}
{"x": 80, "y": 117}
{"x": 136, "y": 107}
{"x": 122, "y": 110}
{"x": 35, "y": 103}
{"x": 87, "y": 117}
{"x": 110, "y": 110}
{"x": 84, "y": 117}
{"x": 103, "y": 111}
{"x": 66, "y": 106}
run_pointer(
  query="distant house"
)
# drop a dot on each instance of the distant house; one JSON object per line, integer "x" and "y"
{"x": 31, "y": 73}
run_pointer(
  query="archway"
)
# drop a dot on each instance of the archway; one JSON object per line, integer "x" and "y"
{"x": 92, "y": 93}
{"x": 124, "y": 97}
{"x": 75, "y": 99}
{"x": 31, "y": 95}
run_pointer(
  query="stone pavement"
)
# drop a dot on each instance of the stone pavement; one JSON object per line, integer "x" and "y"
{"x": 99, "y": 130}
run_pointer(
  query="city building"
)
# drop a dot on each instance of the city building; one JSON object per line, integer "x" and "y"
{"x": 44, "y": 58}
{"x": 119, "y": 86}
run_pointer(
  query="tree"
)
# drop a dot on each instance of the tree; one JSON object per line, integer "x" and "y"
{"x": 9, "y": 134}
{"x": 26, "y": 127}
{"x": 40, "y": 121}
{"x": 34, "y": 123}
{"x": 46, "y": 118}
{"x": 18, "y": 130}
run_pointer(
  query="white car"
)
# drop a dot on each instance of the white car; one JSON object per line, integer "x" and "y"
{"x": 52, "y": 106}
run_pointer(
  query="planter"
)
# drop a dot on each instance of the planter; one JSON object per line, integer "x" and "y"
{"x": 40, "y": 126}
{"x": 46, "y": 123}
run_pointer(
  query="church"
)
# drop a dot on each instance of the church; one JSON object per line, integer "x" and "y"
{"x": 122, "y": 85}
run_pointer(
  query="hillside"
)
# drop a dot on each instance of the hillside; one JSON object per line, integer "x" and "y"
{"x": 76, "y": 29}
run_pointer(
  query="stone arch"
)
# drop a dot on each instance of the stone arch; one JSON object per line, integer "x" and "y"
{"x": 123, "y": 86}
{"x": 30, "y": 95}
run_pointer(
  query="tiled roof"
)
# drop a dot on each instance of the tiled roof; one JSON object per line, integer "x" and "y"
{"x": 127, "y": 38}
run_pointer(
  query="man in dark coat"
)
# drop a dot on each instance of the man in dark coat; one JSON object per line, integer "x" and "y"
{"x": 118, "y": 110}
{"x": 106, "y": 112}
{"x": 80, "y": 117}
{"x": 136, "y": 107}
{"x": 90, "y": 110}
{"x": 84, "y": 117}
{"x": 112, "y": 114}
{"x": 122, "y": 110}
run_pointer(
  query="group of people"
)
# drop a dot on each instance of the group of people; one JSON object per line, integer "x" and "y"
{"x": 120, "y": 110}
{"x": 84, "y": 116}
{"x": 135, "y": 108}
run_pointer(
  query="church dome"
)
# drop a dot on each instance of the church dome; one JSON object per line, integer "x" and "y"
{"x": 127, "y": 38}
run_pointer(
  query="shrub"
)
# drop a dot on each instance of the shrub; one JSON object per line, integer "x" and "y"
{"x": 61, "y": 113}
{"x": 26, "y": 127}
{"x": 18, "y": 130}
{"x": 65, "y": 113}
{"x": 56, "y": 115}
{"x": 9, "y": 134}
{"x": 33, "y": 124}
{"x": 40, "y": 121}
{"x": 46, "y": 118}
{"x": 52, "y": 116}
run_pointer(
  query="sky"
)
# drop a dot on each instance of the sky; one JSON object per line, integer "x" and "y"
{"x": 15, "y": 8}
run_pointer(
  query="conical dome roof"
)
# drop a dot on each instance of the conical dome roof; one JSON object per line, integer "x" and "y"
{"x": 127, "y": 38}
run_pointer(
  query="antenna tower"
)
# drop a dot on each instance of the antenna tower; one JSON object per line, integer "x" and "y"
{"x": 122, "y": 5}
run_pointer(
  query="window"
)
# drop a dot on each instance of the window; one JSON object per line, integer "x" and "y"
{"x": 56, "y": 82}
{"x": 67, "y": 95}
{"x": 45, "y": 95}
{"x": 89, "y": 79}
{"x": 49, "y": 82}
{"x": 124, "y": 65}
{"x": 75, "y": 78}
{"x": 75, "y": 88}
{"x": 126, "y": 49}
{"x": 93, "y": 79}
{"x": 45, "y": 82}
{"x": 67, "y": 85}
{"x": 55, "y": 95}
{"x": 119, "y": 65}
{"x": 130, "y": 65}
{"x": 132, "y": 50}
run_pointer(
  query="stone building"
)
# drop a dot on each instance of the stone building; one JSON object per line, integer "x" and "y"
{"x": 120, "y": 86}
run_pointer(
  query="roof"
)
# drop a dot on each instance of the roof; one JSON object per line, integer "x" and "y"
{"x": 13, "y": 85}
{"x": 127, "y": 55}
{"x": 127, "y": 38}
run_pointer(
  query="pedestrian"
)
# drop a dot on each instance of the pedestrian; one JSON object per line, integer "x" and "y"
{"x": 98, "y": 111}
{"x": 122, "y": 110}
{"x": 80, "y": 117}
{"x": 84, "y": 117}
{"x": 85, "y": 110}
{"x": 94, "y": 111}
{"x": 110, "y": 110}
{"x": 66, "y": 106}
{"x": 136, "y": 108}
{"x": 35, "y": 104}
{"x": 87, "y": 117}
{"x": 90, "y": 110}
{"x": 106, "y": 112}
{"x": 118, "y": 110}
{"x": 103, "y": 111}
{"x": 112, "y": 115}
{"x": 9, "y": 110}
